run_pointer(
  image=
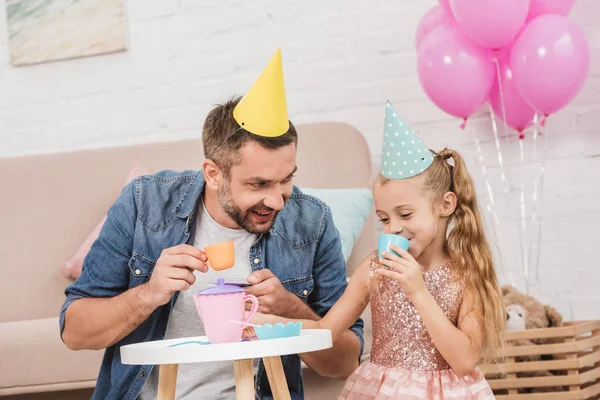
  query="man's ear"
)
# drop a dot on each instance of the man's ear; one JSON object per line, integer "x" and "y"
{"x": 212, "y": 174}
{"x": 447, "y": 204}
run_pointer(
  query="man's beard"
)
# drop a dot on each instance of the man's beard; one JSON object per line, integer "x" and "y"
{"x": 243, "y": 218}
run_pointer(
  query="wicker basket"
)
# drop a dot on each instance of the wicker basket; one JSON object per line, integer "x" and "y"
{"x": 571, "y": 363}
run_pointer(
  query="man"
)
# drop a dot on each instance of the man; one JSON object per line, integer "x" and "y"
{"x": 138, "y": 281}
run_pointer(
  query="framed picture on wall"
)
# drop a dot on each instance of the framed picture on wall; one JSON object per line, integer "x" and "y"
{"x": 49, "y": 30}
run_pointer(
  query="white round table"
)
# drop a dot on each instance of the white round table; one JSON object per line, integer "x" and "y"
{"x": 170, "y": 353}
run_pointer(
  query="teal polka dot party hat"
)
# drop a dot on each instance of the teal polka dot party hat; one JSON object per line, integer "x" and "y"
{"x": 403, "y": 155}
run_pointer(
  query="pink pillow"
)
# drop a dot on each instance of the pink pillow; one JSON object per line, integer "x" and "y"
{"x": 72, "y": 268}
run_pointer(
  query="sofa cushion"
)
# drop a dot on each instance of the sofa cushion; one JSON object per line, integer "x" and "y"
{"x": 33, "y": 354}
{"x": 349, "y": 210}
{"x": 72, "y": 268}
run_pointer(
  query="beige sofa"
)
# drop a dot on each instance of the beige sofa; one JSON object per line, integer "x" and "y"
{"x": 51, "y": 202}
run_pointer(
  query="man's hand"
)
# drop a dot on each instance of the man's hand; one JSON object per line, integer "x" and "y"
{"x": 98, "y": 323}
{"x": 263, "y": 319}
{"x": 272, "y": 297}
{"x": 174, "y": 271}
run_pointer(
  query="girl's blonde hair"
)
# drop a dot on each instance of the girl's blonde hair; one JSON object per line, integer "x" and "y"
{"x": 467, "y": 244}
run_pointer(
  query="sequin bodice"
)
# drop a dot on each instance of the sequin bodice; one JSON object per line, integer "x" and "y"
{"x": 400, "y": 339}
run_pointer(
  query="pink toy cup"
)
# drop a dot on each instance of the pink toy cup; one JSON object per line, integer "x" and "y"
{"x": 221, "y": 305}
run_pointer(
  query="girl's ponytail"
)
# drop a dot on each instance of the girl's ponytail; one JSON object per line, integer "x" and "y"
{"x": 468, "y": 245}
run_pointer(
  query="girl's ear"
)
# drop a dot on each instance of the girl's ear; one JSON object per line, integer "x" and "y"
{"x": 448, "y": 204}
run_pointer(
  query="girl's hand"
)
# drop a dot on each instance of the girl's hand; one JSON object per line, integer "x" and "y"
{"x": 249, "y": 333}
{"x": 261, "y": 319}
{"x": 406, "y": 270}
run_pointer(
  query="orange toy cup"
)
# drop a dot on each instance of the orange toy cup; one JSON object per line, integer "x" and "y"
{"x": 221, "y": 255}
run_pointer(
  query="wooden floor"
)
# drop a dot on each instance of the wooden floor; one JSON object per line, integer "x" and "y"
{"x": 83, "y": 394}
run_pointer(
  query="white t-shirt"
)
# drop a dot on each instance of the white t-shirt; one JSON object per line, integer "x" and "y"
{"x": 204, "y": 380}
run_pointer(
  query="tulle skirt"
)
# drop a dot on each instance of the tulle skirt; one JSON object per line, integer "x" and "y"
{"x": 372, "y": 381}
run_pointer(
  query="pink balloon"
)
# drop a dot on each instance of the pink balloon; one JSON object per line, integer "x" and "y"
{"x": 445, "y": 4}
{"x": 550, "y": 62}
{"x": 519, "y": 114}
{"x": 435, "y": 17}
{"x": 490, "y": 23}
{"x": 541, "y": 7}
{"x": 455, "y": 72}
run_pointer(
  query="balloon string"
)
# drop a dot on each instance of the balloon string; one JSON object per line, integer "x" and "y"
{"x": 522, "y": 220}
{"x": 503, "y": 176}
{"x": 536, "y": 219}
{"x": 492, "y": 209}
{"x": 464, "y": 124}
{"x": 501, "y": 92}
{"x": 499, "y": 153}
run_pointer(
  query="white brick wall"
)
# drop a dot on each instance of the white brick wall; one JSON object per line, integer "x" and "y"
{"x": 342, "y": 60}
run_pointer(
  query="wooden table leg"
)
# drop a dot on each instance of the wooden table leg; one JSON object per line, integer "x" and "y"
{"x": 276, "y": 377}
{"x": 244, "y": 379}
{"x": 167, "y": 382}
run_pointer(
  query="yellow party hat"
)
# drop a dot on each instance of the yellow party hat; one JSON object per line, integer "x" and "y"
{"x": 263, "y": 110}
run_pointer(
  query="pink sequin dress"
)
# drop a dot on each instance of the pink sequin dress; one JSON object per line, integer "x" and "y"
{"x": 404, "y": 361}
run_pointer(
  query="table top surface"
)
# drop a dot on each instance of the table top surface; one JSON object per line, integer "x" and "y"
{"x": 159, "y": 351}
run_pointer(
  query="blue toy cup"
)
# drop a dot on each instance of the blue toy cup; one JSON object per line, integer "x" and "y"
{"x": 387, "y": 240}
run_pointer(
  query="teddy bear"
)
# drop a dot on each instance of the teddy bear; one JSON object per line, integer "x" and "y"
{"x": 525, "y": 312}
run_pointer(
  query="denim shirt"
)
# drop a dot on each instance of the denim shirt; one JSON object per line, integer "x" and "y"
{"x": 158, "y": 211}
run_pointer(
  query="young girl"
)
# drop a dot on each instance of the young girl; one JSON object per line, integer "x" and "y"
{"x": 437, "y": 310}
